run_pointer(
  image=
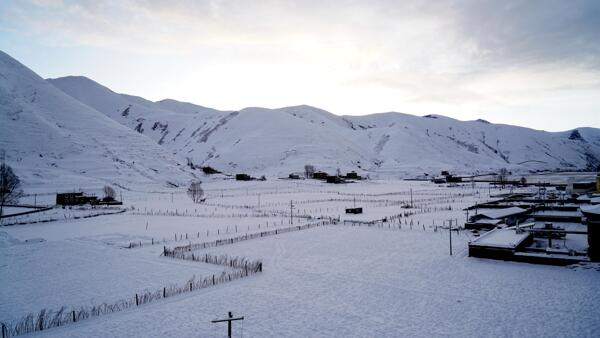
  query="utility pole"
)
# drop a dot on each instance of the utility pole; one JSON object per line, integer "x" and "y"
{"x": 228, "y": 320}
{"x": 291, "y": 212}
{"x": 450, "y": 232}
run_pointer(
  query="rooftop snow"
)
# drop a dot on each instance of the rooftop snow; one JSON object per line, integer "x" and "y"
{"x": 488, "y": 221}
{"x": 502, "y": 238}
{"x": 501, "y": 213}
{"x": 566, "y": 213}
{"x": 592, "y": 209}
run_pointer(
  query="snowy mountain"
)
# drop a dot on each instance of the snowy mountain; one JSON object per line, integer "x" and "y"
{"x": 279, "y": 141}
{"x": 77, "y": 132}
{"x": 50, "y": 137}
{"x": 406, "y": 142}
{"x": 257, "y": 140}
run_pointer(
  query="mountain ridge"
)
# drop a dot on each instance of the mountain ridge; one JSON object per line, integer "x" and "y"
{"x": 282, "y": 140}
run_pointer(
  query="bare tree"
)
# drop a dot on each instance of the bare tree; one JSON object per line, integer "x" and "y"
{"x": 10, "y": 185}
{"x": 502, "y": 176}
{"x": 523, "y": 181}
{"x": 109, "y": 193}
{"x": 309, "y": 170}
{"x": 195, "y": 191}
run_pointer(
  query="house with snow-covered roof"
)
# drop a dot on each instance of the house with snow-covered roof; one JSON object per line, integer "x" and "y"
{"x": 509, "y": 216}
{"x": 592, "y": 213}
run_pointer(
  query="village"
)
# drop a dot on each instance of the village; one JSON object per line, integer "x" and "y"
{"x": 296, "y": 169}
{"x": 250, "y": 235}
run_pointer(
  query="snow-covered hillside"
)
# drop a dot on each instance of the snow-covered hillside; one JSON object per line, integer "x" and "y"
{"x": 406, "y": 142}
{"x": 50, "y": 137}
{"x": 279, "y": 141}
{"x": 257, "y": 140}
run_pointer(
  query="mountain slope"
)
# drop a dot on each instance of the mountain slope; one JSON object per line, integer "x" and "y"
{"x": 279, "y": 141}
{"x": 162, "y": 121}
{"x": 411, "y": 143}
{"x": 254, "y": 139}
{"x": 49, "y": 137}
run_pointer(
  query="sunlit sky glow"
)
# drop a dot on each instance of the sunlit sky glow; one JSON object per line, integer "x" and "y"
{"x": 531, "y": 63}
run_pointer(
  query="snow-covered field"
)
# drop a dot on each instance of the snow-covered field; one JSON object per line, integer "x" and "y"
{"x": 387, "y": 280}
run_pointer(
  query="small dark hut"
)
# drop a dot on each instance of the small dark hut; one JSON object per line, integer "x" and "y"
{"x": 320, "y": 175}
{"x": 210, "y": 170}
{"x": 75, "y": 198}
{"x": 353, "y": 176}
{"x": 334, "y": 179}
{"x": 243, "y": 177}
{"x": 354, "y": 210}
{"x": 453, "y": 179}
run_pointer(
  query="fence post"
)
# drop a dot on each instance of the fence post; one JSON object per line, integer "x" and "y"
{"x": 41, "y": 323}
{"x": 164, "y": 292}
{"x": 137, "y": 302}
{"x": 73, "y": 313}
{"x": 4, "y": 331}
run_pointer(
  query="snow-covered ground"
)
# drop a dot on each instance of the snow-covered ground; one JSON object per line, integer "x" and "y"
{"x": 386, "y": 280}
{"x": 78, "y": 272}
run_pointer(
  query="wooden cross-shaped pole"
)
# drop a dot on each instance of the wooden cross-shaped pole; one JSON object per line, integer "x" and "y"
{"x": 228, "y": 320}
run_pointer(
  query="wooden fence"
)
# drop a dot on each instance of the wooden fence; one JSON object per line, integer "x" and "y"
{"x": 45, "y": 319}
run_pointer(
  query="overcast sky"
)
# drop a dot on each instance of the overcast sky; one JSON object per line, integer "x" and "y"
{"x": 530, "y": 63}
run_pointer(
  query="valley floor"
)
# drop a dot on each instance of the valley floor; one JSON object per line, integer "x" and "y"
{"x": 391, "y": 279}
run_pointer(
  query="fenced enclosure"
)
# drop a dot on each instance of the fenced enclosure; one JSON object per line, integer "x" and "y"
{"x": 238, "y": 267}
{"x": 246, "y": 237}
{"x": 182, "y": 226}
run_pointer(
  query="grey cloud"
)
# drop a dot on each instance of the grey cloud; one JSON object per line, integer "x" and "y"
{"x": 533, "y": 31}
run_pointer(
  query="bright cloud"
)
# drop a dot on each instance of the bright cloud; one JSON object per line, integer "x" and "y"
{"x": 505, "y": 61}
